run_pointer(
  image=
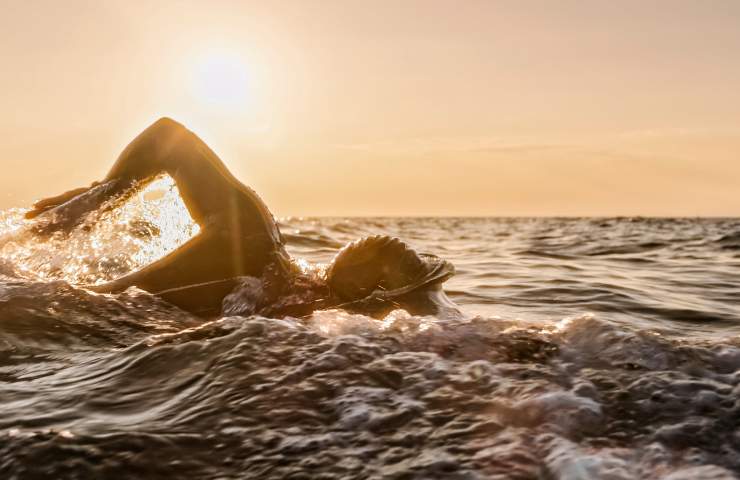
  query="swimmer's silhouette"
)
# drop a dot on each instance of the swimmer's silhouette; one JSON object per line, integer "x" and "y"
{"x": 239, "y": 238}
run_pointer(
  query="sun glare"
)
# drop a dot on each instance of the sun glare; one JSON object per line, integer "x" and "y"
{"x": 223, "y": 80}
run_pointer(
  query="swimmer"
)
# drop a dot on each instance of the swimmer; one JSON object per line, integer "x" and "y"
{"x": 239, "y": 238}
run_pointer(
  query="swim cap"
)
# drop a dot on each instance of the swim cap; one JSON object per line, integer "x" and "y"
{"x": 383, "y": 267}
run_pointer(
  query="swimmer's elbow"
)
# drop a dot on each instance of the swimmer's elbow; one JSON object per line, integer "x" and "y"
{"x": 167, "y": 123}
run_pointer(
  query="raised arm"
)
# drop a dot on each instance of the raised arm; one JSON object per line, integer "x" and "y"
{"x": 212, "y": 195}
{"x": 208, "y": 189}
{"x": 164, "y": 147}
{"x": 142, "y": 159}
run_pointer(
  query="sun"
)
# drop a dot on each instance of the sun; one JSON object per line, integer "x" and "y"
{"x": 222, "y": 80}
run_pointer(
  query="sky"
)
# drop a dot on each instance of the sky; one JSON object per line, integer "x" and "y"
{"x": 401, "y": 107}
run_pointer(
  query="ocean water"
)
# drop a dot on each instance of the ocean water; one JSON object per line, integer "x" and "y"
{"x": 587, "y": 349}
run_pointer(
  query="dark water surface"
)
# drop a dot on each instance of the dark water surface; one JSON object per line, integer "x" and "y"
{"x": 590, "y": 349}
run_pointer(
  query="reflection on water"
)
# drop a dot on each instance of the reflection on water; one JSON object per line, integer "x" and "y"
{"x": 591, "y": 348}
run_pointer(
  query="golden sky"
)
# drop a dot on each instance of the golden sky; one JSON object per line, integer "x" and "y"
{"x": 401, "y": 107}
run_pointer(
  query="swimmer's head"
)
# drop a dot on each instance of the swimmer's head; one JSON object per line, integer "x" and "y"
{"x": 382, "y": 264}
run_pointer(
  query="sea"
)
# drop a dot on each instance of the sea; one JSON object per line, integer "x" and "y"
{"x": 586, "y": 348}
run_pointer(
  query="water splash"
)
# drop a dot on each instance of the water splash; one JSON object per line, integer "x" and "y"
{"x": 148, "y": 226}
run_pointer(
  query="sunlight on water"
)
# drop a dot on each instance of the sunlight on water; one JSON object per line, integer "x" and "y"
{"x": 333, "y": 323}
{"x": 315, "y": 270}
{"x": 10, "y": 221}
{"x": 106, "y": 245}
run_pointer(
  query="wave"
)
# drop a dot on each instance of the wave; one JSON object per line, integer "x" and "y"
{"x": 410, "y": 396}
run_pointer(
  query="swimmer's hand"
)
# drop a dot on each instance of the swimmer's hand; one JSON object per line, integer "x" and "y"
{"x": 46, "y": 204}
{"x": 63, "y": 212}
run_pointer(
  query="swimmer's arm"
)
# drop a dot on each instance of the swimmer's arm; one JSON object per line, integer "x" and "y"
{"x": 141, "y": 160}
{"x": 76, "y": 204}
{"x": 204, "y": 182}
{"x": 46, "y": 204}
